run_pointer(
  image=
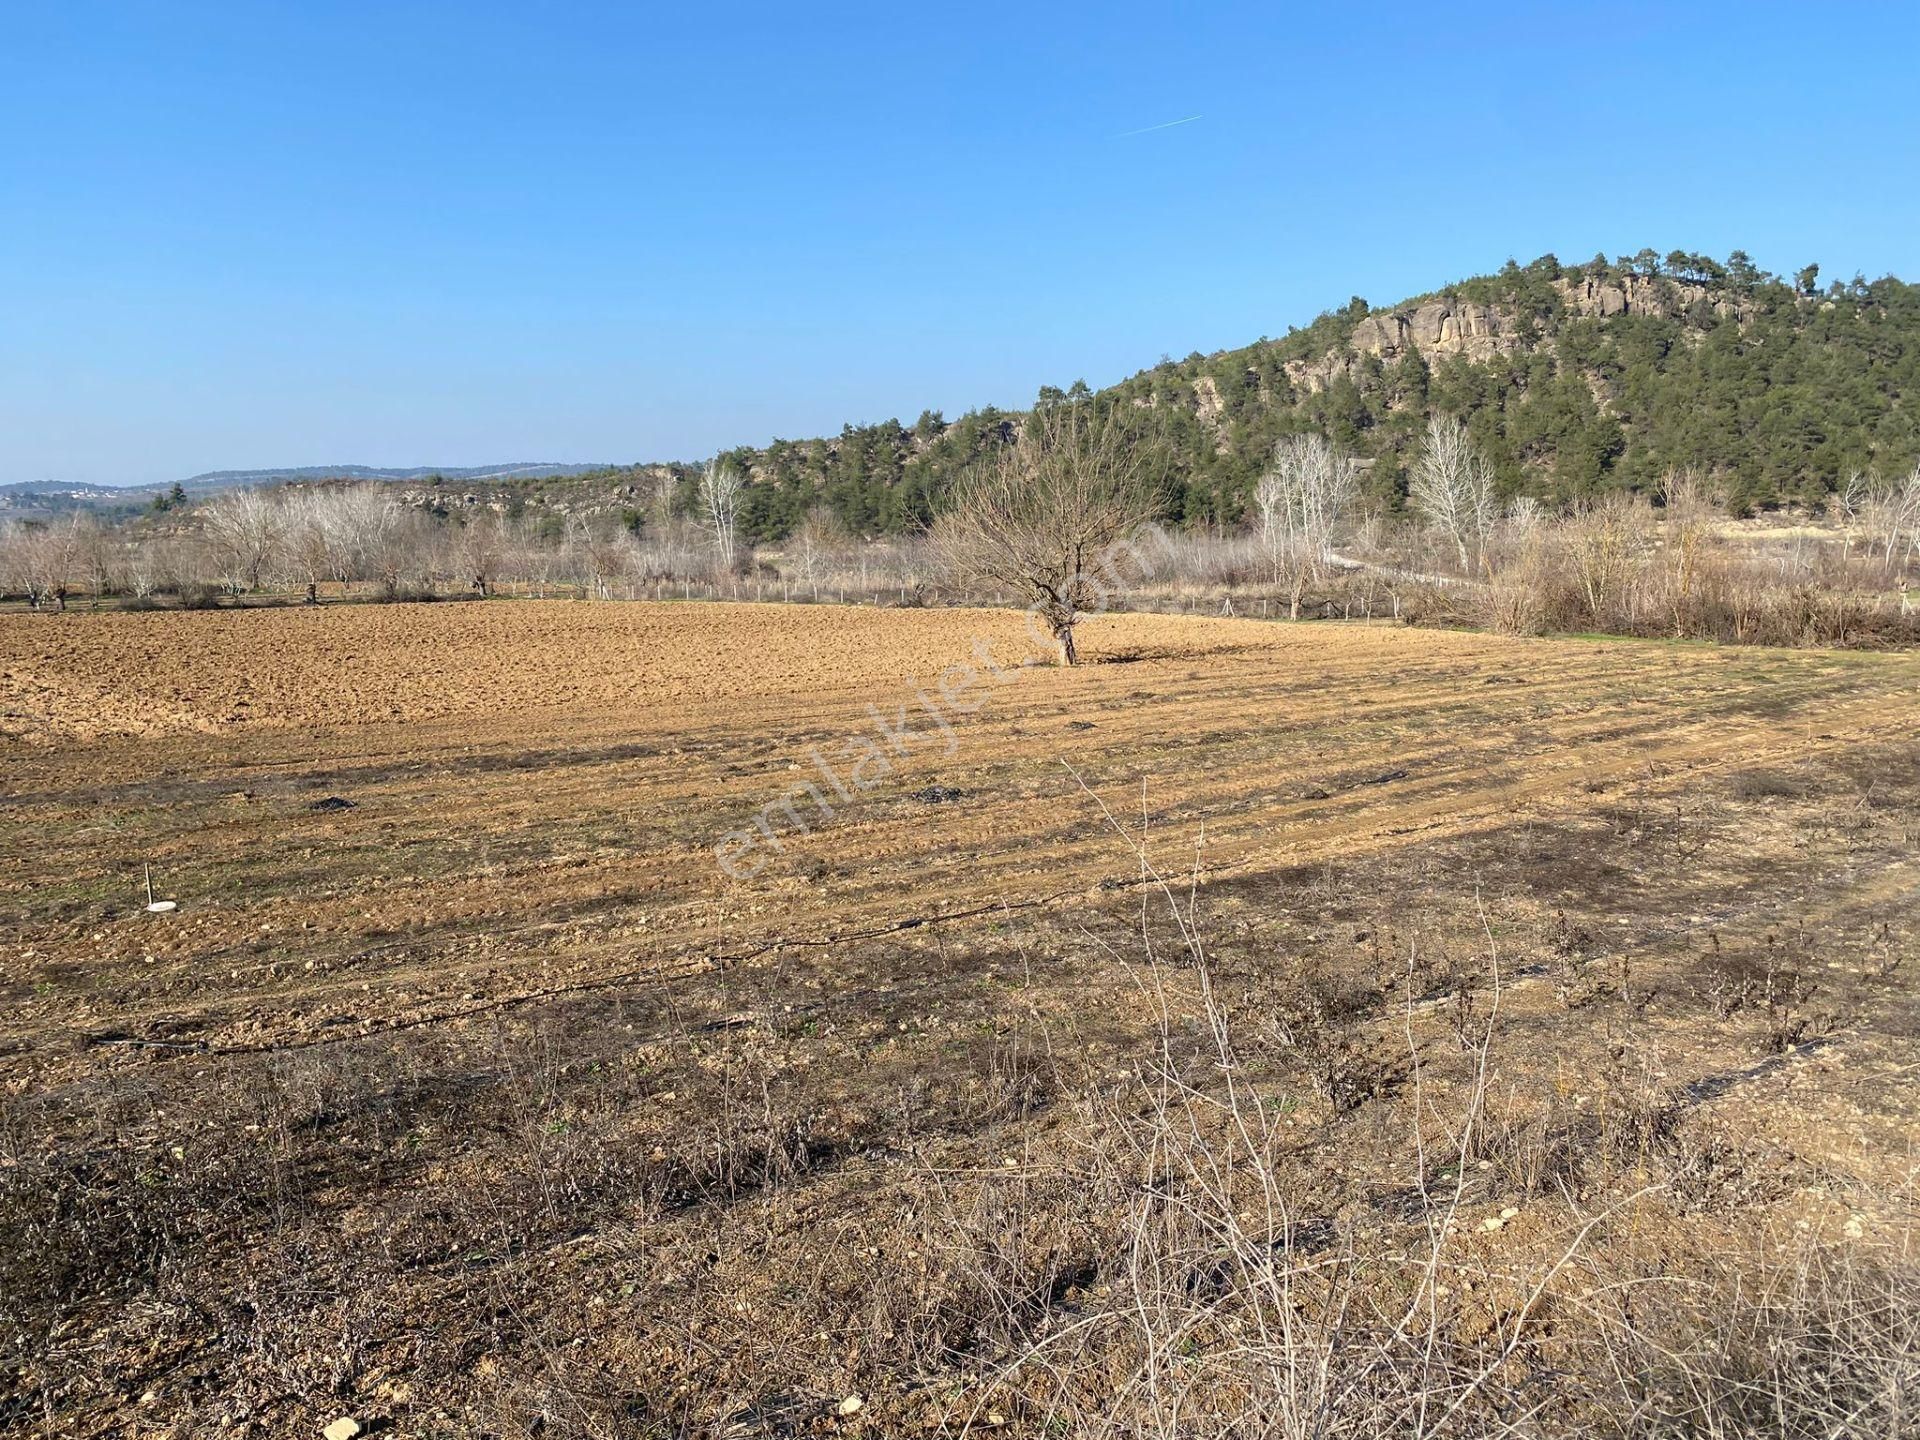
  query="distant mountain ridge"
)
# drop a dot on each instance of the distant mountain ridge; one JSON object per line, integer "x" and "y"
{"x": 518, "y": 470}
{"x": 31, "y": 499}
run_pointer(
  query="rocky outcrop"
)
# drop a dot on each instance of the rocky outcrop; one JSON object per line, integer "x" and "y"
{"x": 1209, "y": 406}
{"x": 1444, "y": 327}
{"x": 1639, "y": 295}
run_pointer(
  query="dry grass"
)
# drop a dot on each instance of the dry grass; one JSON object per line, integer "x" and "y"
{"x": 1195, "y": 1244}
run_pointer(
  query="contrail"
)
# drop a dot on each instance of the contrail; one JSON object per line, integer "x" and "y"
{"x": 1149, "y": 129}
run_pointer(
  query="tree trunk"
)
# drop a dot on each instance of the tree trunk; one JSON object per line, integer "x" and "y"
{"x": 313, "y": 593}
{"x": 1063, "y": 634}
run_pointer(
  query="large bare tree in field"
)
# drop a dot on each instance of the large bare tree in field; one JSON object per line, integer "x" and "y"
{"x": 1046, "y": 516}
{"x": 1300, "y": 500}
{"x": 1452, "y": 488}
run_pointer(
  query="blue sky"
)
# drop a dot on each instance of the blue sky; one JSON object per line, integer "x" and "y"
{"x": 259, "y": 233}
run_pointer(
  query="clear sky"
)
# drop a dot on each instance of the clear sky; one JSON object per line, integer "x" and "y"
{"x": 259, "y": 234}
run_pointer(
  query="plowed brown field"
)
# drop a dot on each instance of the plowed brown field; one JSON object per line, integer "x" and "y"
{"x": 538, "y": 788}
{"x": 154, "y": 673}
{"x": 535, "y": 792}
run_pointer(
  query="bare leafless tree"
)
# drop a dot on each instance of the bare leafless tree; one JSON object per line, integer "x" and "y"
{"x": 657, "y": 490}
{"x": 57, "y": 555}
{"x": 1301, "y": 500}
{"x": 603, "y": 554}
{"x": 541, "y": 561}
{"x": 41, "y": 560}
{"x": 814, "y": 545}
{"x": 404, "y": 559}
{"x": 720, "y": 487}
{"x": 246, "y": 528}
{"x": 15, "y": 541}
{"x": 1850, "y": 505}
{"x": 1603, "y": 539}
{"x": 306, "y": 551}
{"x": 145, "y": 568}
{"x": 673, "y": 548}
{"x": 1050, "y": 517}
{"x": 1526, "y": 514}
{"x": 479, "y": 550}
{"x": 186, "y": 565}
{"x": 1452, "y": 488}
{"x": 1890, "y": 515}
{"x": 364, "y": 526}
{"x": 99, "y": 556}
{"x": 1686, "y": 521}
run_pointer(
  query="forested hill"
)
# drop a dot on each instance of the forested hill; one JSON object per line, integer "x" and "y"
{"x": 1573, "y": 379}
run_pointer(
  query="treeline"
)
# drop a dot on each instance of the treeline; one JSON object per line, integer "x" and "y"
{"x": 1770, "y": 388}
{"x": 316, "y": 542}
{"x": 1457, "y": 551}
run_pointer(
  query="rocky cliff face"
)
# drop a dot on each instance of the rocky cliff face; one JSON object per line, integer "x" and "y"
{"x": 1211, "y": 409}
{"x": 1441, "y": 328}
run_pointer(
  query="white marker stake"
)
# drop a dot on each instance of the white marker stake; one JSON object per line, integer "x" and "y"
{"x": 155, "y": 907}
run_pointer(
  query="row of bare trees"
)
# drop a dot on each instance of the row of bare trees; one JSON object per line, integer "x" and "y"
{"x": 347, "y": 541}
{"x": 1881, "y": 517}
{"x": 1301, "y": 503}
{"x": 363, "y": 541}
{"x": 1305, "y": 503}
